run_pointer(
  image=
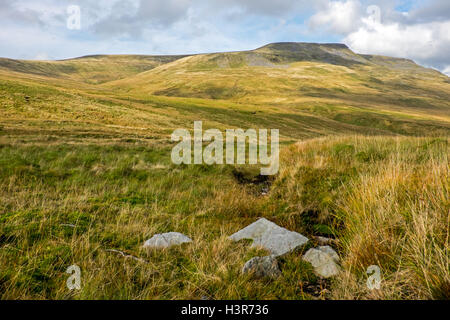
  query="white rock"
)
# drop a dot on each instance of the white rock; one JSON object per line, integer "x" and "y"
{"x": 166, "y": 240}
{"x": 261, "y": 267}
{"x": 270, "y": 236}
{"x": 330, "y": 251}
{"x": 324, "y": 261}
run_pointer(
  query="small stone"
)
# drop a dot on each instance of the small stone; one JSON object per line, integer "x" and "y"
{"x": 270, "y": 236}
{"x": 330, "y": 251}
{"x": 166, "y": 240}
{"x": 323, "y": 241}
{"x": 261, "y": 267}
{"x": 324, "y": 261}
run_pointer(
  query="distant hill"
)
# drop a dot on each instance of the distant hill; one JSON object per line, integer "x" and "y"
{"x": 90, "y": 69}
{"x": 97, "y": 69}
{"x": 296, "y": 75}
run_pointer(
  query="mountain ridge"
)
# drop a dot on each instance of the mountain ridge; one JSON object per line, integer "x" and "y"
{"x": 275, "y": 53}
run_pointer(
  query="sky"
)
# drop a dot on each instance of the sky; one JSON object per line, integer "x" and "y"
{"x": 60, "y": 29}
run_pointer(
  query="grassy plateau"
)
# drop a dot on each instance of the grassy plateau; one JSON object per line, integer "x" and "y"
{"x": 86, "y": 175}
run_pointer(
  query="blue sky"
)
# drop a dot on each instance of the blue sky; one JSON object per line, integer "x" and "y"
{"x": 38, "y": 29}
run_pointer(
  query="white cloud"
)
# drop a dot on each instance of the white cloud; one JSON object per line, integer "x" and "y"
{"x": 427, "y": 43}
{"x": 338, "y": 17}
{"x": 384, "y": 31}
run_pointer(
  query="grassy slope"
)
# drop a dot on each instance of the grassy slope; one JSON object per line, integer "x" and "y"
{"x": 90, "y": 69}
{"x": 337, "y": 87}
{"x": 98, "y": 157}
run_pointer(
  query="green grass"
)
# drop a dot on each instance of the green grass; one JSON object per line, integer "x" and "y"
{"x": 115, "y": 197}
{"x": 104, "y": 189}
{"x": 85, "y": 168}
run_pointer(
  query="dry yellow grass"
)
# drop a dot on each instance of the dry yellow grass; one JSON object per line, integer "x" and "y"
{"x": 394, "y": 213}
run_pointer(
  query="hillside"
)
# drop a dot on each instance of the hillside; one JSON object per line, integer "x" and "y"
{"x": 324, "y": 81}
{"x": 306, "y": 90}
{"x": 90, "y": 69}
{"x": 86, "y": 174}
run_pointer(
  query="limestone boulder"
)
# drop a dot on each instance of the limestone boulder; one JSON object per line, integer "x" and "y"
{"x": 270, "y": 236}
{"x": 324, "y": 261}
{"x": 166, "y": 240}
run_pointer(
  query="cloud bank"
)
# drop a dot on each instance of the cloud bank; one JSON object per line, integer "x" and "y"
{"x": 421, "y": 34}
